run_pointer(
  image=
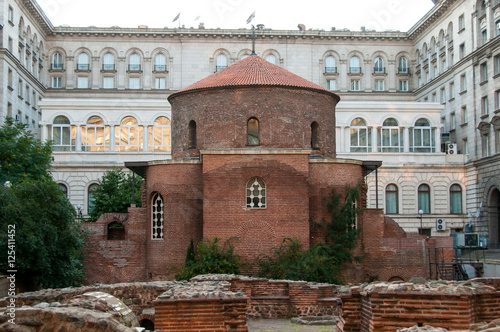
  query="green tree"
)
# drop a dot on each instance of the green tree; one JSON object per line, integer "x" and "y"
{"x": 114, "y": 193}
{"x": 21, "y": 155}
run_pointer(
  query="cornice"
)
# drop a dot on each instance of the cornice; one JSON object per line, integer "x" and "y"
{"x": 39, "y": 16}
{"x": 432, "y": 16}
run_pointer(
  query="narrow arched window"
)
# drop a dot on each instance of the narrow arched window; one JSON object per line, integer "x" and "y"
{"x": 92, "y": 190}
{"x": 221, "y": 62}
{"x": 391, "y": 199}
{"x": 129, "y": 136}
{"x": 253, "y": 132}
{"x": 422, "y": 137}
{"x": 424, "y": 198}
{"x": 330, "y": 66}
{"x": 83, "y": 62}
{"x": 192, "y": 134}
{"x": 315, "y": 135}
{"x": 256, "y": 193}
{"x": 63, "y": 134}
{"x": 390, "y": 137}
{"x": 159, "y": 135}
{"x": 135, "y": 62}
{"x": 95, "y": 135}
{"x": 157, "y": 217}
{"x": 271, "y": 58}
{"x": 403, "y": 65}
{"x": 160, "y": 62}
{"x": 57, "y": 61}
{"x": 355, "y": 67}
{"x": 456, "y": 199}
{"x": 379, "y": 66}
{"x": 109, "y": 62}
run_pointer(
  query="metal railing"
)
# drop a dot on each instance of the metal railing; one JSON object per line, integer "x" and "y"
{"x": 134, "y": 67}
{"x": 56, "y": 66}
{"x": 444, "y": 267}
{"x": 379, "y": 70}
{"x": 83, "y": 66}
{"x": 330, "y": 70}
{"x": 107, "y": 67}
{"x": 355, "y": 70}
{"x": 160, "y": 68}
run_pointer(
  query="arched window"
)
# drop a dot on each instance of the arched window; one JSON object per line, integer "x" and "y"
{"x": 63, "y": 189}
{"x": 83, "y": 62}
{"x": 330, "y": 66}
{"x": 355, "y": 67}
{"x": 253, "y": 133}
{"x": 157, "y": 217}
{"x": 129, "y": 136}
{"x": 360, "y": 136}
{"x": 256, "y": 193}
{"x": 390, "y": 138}
{"x": 159, "y": 135}
{"x": 63, "y": 134}
{"x": 57, "y": 61}
{"x": 109, "y": 62}
{"x": 160, "y": 62}
{"x": 424, "y": 198}
{"x": 135, "y": 62}
{"x": 379, "y": 66}
{"x": 315, "y": 136}
{"x": 403, "y": 65}
{"x": 391, "y": 199}
{"x": 192, "y": 134}
{"x": 92, "y": 190}
{"x": 95, "y": 135}
{"x": 116, "y": 231}
{"x": 221, "y": 62}
{"x": 422, "y": 138}
{"x": 271, "y": 58}
{"x": 456, "y": 199}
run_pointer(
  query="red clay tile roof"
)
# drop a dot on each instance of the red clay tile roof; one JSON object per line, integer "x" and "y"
{"x": 253, "y": 71}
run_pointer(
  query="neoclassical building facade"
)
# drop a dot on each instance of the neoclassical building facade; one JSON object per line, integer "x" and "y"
{"x": 423, "y": 102}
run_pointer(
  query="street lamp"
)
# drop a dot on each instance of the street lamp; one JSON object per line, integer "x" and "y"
{"x": 7, "y": 184}
{"x": 420, "y": 213}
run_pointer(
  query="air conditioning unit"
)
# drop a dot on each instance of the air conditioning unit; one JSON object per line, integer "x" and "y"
{"x": 440, "y": 225}
{"x": 452, "y": 148}
{"x": 467, "y": 240}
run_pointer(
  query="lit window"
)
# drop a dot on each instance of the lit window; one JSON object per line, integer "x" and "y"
{"x": 83, "y": 62}
{"x": 330, "y": 66}
{"x": 159, "y": 135}
{"x": 424, "y": 198}
{"x": 63, "y": 134}
{"x": 354, "y": 66}
{"x": 391, "y": 199}
{"x": 157, "y": 217}
{"x": 129, "y": 135}
{"x": 221, "y": 62}
{"x": 455, "y": 199}
{"x": 92, "y": 191}
{"x": 360, "y": 136}
{"x": 253, "y": 133}
{"x": 160, "y": 62}
{"x": 256, "y": 194}
{"x": 390, "y": 138}
{"x": 422, "y": 137}
{"x": 108, "y": 62}
{"x": 95, "y": 135}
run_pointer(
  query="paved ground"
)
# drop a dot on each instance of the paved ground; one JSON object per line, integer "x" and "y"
{"x": 283, "y": 325}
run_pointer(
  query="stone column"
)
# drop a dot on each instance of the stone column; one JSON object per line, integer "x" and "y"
{"x": 438, "y": 139}
{"x": 145, "y": 138}
{"x": 78, "y": 138}
{"x": 406, "y": 139}
{"x": 342, "y": 139}
{"x": 375, "y": 138}
{"x": 111, "y": 138}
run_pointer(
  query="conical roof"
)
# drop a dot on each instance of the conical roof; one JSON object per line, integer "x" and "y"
{"x": 252, "y": 71}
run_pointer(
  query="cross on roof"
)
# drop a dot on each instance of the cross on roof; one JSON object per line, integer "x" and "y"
{"x": 253, "y": 38}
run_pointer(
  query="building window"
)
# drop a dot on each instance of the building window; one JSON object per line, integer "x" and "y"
{"x": 390, "y": 138}
{"x": 424, "y": 198}
{"x": 160, "y": 83}
{"x": 10, "y": 45}
{"x": 108, "y": 62}
{"x": 256, "y": 194}
{"x": 161, "y": 63}
{"x": 461, "y": 51}
{"x": 403, "y": 65}
{"x": 83, "y": 62}
{"x": 455, "y": 199}
{"x": 192, "y": 134}
{"x": 57, "y": 62}
{"x": 360, "y": 136}
{"x": 483, "y": 72}
{"x": 497, "y": 100}
{"x": 465, "y": 147}
{"x": 10, "y": 16}
{"x": 63, "y": 134}
{"x": 331, "y": 85}
{"x": 221, "y": 62}
{"x": 422, "y": 137}
{"x": 95, "y": 135}
{"x": 442, "y": 95}
{"x": 83, "y": 82}
{"x": 452, "y": 90}
{"x": 379, "y": 66}
{"x": 159, "y": 135}
{"x": 20, "y": 88}
{"x": 330, "y": 66}
{"x": 484, "y": 106}
{"x": 253, "y": 132}
{"x": 315, "y": 135}
{"x": 463, "y": 112}
{"x": 484, "y": 36}
{"x": 134, "y": 62}
{"x": 157, "y": 217}
{"x": 453, "y": 124}
{"x": 64, "y": 189}
{"x": 271, "y": 58}
{"x": 463, "y": 83}
{"x": 355, "y": 67}
{"x": 461, "y": 23}
{"x": 108, "y": 82}
{"x": 134, "y": 83}
{"x": 379, "y": 85}
{"x": 92, "y": 191}
{"x": 496, "y": 64}
{"x": 485, "y": 144}
{"x": 403, "y": 85}
{"x": 129, "y": 136}
{"x": 355, "y": 85}
{"x": 391, "y": 199}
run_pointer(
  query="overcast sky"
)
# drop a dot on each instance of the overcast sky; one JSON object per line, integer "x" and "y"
{"x": 232, "y": 14}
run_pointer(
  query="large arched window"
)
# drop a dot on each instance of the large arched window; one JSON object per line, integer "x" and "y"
{"x": 256, "y": 193}
{"x": 253, "y": 132}
{"x": 108, "y": 62}
{"x": 221, "y": 62}
{"x": 355, "y": 67}
{"x": 403, "y": 65}
{"x": 315, "y": 135}
{"x": 424, "y": 198}
{"x": 159, "y": 135}
{"x": 83, "y": 62}
{"x": 92, "y": 190}
{"x": 129, "y": 135}
{"x": 157, "y": 217}
{"x": 134, "y": 62}
{"x": 456, "y": 199}
{"x": 63, "y": 134}
{"x": 192, "y": 134}
{"x": 57, "y": 62}
{"x": 330, "y": 66}
{"x": 95, "y": 135}
{"x": 422, "y": 137}
{"x": 391, "y": 199}
{"x": 360, "y": 136}
{"x": 390, "y": 138}
{"x": 378, "y": 67}
{"x": 160, "y": 62}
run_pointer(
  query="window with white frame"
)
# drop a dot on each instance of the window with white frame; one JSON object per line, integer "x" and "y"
{"x": 83, "y": 62}
{"x": 57, "y": 61}
{"x": 221, "y": 62}
{"x": 108, "y": 82}
{"x": 403, "y": 65}
{"x": 355, "y": 85}
{"x": 379, "y": 85}
{"x": 129, "y": 135}
{"x": 422, "y": 137}
{"x": 391, "y": 199}
{"x": 379, "y": 66}
{"x": 91, "y": 193}
{"x": 330, "y": 66}
{"x": 63, "y": 134}
{"x": 256, "y": 193}
{"x": 95, "y": 135}
{"x": 485, "y": 144}
{"x": 484, "y": 106}
{"x": 83, "y": 82}
{"x": 157, "y": 217}
{"x": 134, "y": 83}
{"x": 403, "y": 85}
{"x": 389, "y": 136}
{"x": 108, "y": 62}
{"x": 160, "y": 82}
{"x": 360, "y": 136}
{"x": 331, "y": 85}
{"x": 56, "y": 82}
{"x": 159, "y": 135}
{"x": 424, "y": 198}
{"x": 461, "y": 51}
{"x": 496, "y": 64}
{"x": 160, "y": 62}
{"x": 134, "y": 62}
{"x": 456, "y": 199}
{"x": 355, "y": 67}
{"x": 271, "y": 58}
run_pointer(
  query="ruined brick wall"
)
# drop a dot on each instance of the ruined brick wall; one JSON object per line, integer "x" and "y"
{"x": 285, "y": 116}
{"x": 111, "y": 261}
{"x": 180, "y": 185}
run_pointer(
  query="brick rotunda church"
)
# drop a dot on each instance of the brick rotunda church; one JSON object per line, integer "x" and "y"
{"x": 253, "y": 158}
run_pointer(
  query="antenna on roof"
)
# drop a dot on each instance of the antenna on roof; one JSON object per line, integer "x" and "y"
{"x": 253, "y": 37}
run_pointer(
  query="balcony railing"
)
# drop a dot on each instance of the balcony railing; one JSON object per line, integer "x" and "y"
{"x": 379, "y": 70}
{"x": 108, "y": 67}
{"x": 330, "y": 70}
{"x": 56, "y": 66}
{"x": 217, "y": 68}
{"x": 160, "y": 68}
{"x": 403, "y": 70}
{"x": 134, "y": 67}
{"x": 355, "y": 70}
{"x": 83, "y": 66}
